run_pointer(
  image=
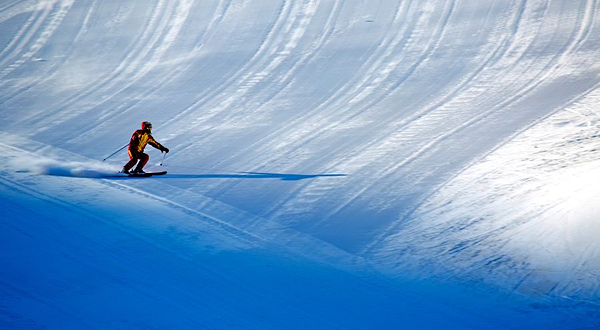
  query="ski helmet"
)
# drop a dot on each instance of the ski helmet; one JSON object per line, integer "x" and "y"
{"x": 147, "y": 126}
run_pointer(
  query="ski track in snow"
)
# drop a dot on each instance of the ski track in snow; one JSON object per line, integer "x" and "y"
{"x": 581, "y": 35}
{"x": 401, "y": 136}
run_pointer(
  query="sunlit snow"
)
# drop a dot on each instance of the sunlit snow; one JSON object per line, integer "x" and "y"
{"x": 333, "y": 164}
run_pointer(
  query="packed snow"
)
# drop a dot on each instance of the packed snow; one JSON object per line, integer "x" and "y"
{"x": 333, "y": 164}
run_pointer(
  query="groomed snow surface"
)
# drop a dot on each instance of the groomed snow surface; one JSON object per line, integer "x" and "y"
{"x": 409, "y": 164}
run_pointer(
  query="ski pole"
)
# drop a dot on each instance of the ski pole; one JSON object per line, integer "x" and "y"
{"x": 114, "y": 153}
{"x": 162, "y": 161}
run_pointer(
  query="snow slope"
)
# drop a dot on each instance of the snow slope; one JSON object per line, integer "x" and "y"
{"x": 333, "y": 164}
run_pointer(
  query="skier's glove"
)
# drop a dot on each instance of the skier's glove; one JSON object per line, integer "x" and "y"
{"x": 165, "y": 149}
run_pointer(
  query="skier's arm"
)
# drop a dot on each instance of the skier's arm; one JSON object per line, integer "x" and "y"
{"x": 155, "y": 144}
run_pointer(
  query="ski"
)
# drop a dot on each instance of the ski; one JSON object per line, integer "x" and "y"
{"x": 147, "y": 174}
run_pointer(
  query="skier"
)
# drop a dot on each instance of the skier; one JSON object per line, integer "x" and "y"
{"x": 138, "y": 142}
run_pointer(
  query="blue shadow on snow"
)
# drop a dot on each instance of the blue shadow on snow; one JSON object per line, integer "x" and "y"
{"x": 242, "y": 175}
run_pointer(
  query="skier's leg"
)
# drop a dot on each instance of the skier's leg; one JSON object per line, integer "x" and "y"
{"x": 132, "y": 160}
{"x": 143, "y": 161}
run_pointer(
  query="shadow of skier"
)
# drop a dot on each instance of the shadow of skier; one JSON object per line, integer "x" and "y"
{"x": 249, "y": 175}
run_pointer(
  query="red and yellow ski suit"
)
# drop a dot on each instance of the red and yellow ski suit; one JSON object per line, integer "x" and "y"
{"x": 137, "y": 144}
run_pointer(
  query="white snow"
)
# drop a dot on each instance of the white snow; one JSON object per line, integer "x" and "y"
{"x": 334, "y": 164}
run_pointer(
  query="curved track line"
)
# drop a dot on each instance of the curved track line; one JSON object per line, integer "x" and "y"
{"x": 293, "y": 122}
{"x": 580, "y": 35}
{"x": 47, "y": 29}
{"x": 372, "y": 60}
{"x": 211, "y": 93}
{"x": 405, "y": 123}
{"x": 307, "y": 131}
{"x": 133, "y": 57}
{"x": 388, "y": 52}
{"x": 24, "y": 35}
{"x": 222, "y": 10}
{"x": 283, "y": 16}
{"x": 413, "y": 209}
{"x": 55, "y": 67}
{"x": 423, "y": 150}
{"x": 170, "y": 29}
{"x": 8, "y": 6}
{"x": 501, "y": 49}
{"x": 285, "y": 80}
{"x": 275, "y": 55}
{"x": 166, "y": 24}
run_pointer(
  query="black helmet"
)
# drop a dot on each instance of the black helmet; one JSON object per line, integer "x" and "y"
{"x": 147, "y": 126}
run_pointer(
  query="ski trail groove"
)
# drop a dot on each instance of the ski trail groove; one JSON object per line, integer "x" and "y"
{"x": 48, "y": 28}
{"x": 55, "y": 68}
{"x": 549, "y": 70}
{"x": 98, "y": 89}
